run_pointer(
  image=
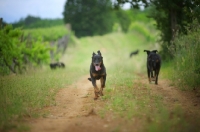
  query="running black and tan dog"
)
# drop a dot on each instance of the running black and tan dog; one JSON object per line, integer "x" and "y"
{"x": 97, "y": 71}
{"x": 153, "y": 65}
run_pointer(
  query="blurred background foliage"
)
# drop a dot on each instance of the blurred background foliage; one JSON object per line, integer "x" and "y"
{"x": 26, "y": 46}
{"x": 33, "y": 41}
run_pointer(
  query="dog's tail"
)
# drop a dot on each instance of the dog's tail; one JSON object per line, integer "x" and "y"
{"x": 89, "y": 79}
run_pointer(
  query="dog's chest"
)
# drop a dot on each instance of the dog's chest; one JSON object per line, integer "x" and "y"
{"x": 98, "y": 75}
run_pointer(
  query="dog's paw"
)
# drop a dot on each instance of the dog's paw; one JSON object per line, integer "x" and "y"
{"x": 95, "y": 98}
{"x": 96, "y": 90}
{"x": 101, "y": 93}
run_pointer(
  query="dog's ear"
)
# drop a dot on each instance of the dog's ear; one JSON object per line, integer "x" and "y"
{"x": 99, "y": 52}
{"x": 93, "y": 54}
{"x": 154, "y": 51}
{"x": 147, "y": 51}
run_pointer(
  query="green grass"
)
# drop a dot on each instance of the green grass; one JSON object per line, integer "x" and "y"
{"x": 48, "y": 34}
{"x": 22, "y": 95}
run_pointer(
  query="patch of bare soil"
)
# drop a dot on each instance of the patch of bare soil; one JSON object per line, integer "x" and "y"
{"x": 76, "y": 111}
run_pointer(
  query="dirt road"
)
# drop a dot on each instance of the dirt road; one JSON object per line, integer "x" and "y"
{"x": 76, "y": 111}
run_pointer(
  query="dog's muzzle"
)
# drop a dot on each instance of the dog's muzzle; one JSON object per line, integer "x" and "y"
{"x": 97, "y": 67}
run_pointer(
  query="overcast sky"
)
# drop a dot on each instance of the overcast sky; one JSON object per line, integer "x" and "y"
{"x": 12, "y": 10}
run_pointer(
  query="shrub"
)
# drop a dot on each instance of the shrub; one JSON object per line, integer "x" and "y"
{"x": 187, "y": 58}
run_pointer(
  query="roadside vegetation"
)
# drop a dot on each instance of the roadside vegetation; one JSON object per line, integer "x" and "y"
{"x": 187, "y": 59}
{"x": 23, "y": 95}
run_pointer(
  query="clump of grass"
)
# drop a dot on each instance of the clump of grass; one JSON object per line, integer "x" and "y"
{"x": 187, "y": 60}
{"x": 172, "y": 121}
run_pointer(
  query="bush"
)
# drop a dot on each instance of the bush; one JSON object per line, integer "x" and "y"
{"x": 16, "y": 51}
{"x": 187, "y": 58}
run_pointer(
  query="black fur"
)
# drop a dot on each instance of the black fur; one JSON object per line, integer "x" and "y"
{"x": 57, "y": 65}
{"x": 97, "y": 71}
{"x": 134, "y": 53}
{"x": 153, "y": 65}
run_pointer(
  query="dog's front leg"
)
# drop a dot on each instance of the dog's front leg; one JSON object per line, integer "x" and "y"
{"x": 148, "y": 72}
{"x": 96, "y": 90}
{"x": 103, "y": 81}
{"x": 156, "y": 75}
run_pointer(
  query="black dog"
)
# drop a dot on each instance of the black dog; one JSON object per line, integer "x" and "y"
{"x": 153, "y": 64}
{"x": 57, "y": 65}
{"x": 97, "y": 71}
{"x": 134, "y": 53}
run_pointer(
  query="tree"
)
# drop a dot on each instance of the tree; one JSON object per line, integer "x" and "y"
{"x": 89, "y": 17}
{"x": 171, "y": 15}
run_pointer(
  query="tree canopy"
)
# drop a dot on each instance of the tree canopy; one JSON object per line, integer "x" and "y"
{"x": 89, "y": 17}
{"x": 171, "y": 16}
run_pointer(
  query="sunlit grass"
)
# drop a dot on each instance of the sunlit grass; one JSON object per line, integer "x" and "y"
{"x": 22, "y": 95}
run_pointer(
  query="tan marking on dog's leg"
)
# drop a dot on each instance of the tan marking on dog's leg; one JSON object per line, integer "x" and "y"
{"x": 149, "y": 80}
{"x": 96, "y": 92}
{"x": 101, "y": 90}
{"x": 95, "y": 95}
{"x": 96, "y": 88}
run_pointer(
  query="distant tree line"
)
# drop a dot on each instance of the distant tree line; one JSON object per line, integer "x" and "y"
{"x": 36, "y": 22}
{"x": 96, "y": 17}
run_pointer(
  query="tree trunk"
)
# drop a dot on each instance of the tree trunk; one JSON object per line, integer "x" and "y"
{"x": 10, "y": 67}
{"x": 173, "y": 16}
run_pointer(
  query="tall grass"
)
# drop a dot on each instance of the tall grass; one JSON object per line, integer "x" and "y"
{"x": 187, "y": 59}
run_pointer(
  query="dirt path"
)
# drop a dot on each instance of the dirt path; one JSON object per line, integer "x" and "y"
{"x": 69, "y": 104}
{"x": 173, "y": 97}
{"x": 75, "y": 109}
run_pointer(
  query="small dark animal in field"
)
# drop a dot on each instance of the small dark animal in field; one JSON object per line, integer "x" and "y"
{"x": 153, "y": 65}
{"x": 57, "y": 65}
{"x": 134, "y": 53}
{"x": 97, "y": 71}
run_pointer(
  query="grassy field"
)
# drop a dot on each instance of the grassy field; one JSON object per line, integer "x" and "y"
{"x": 23, "y": 95}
